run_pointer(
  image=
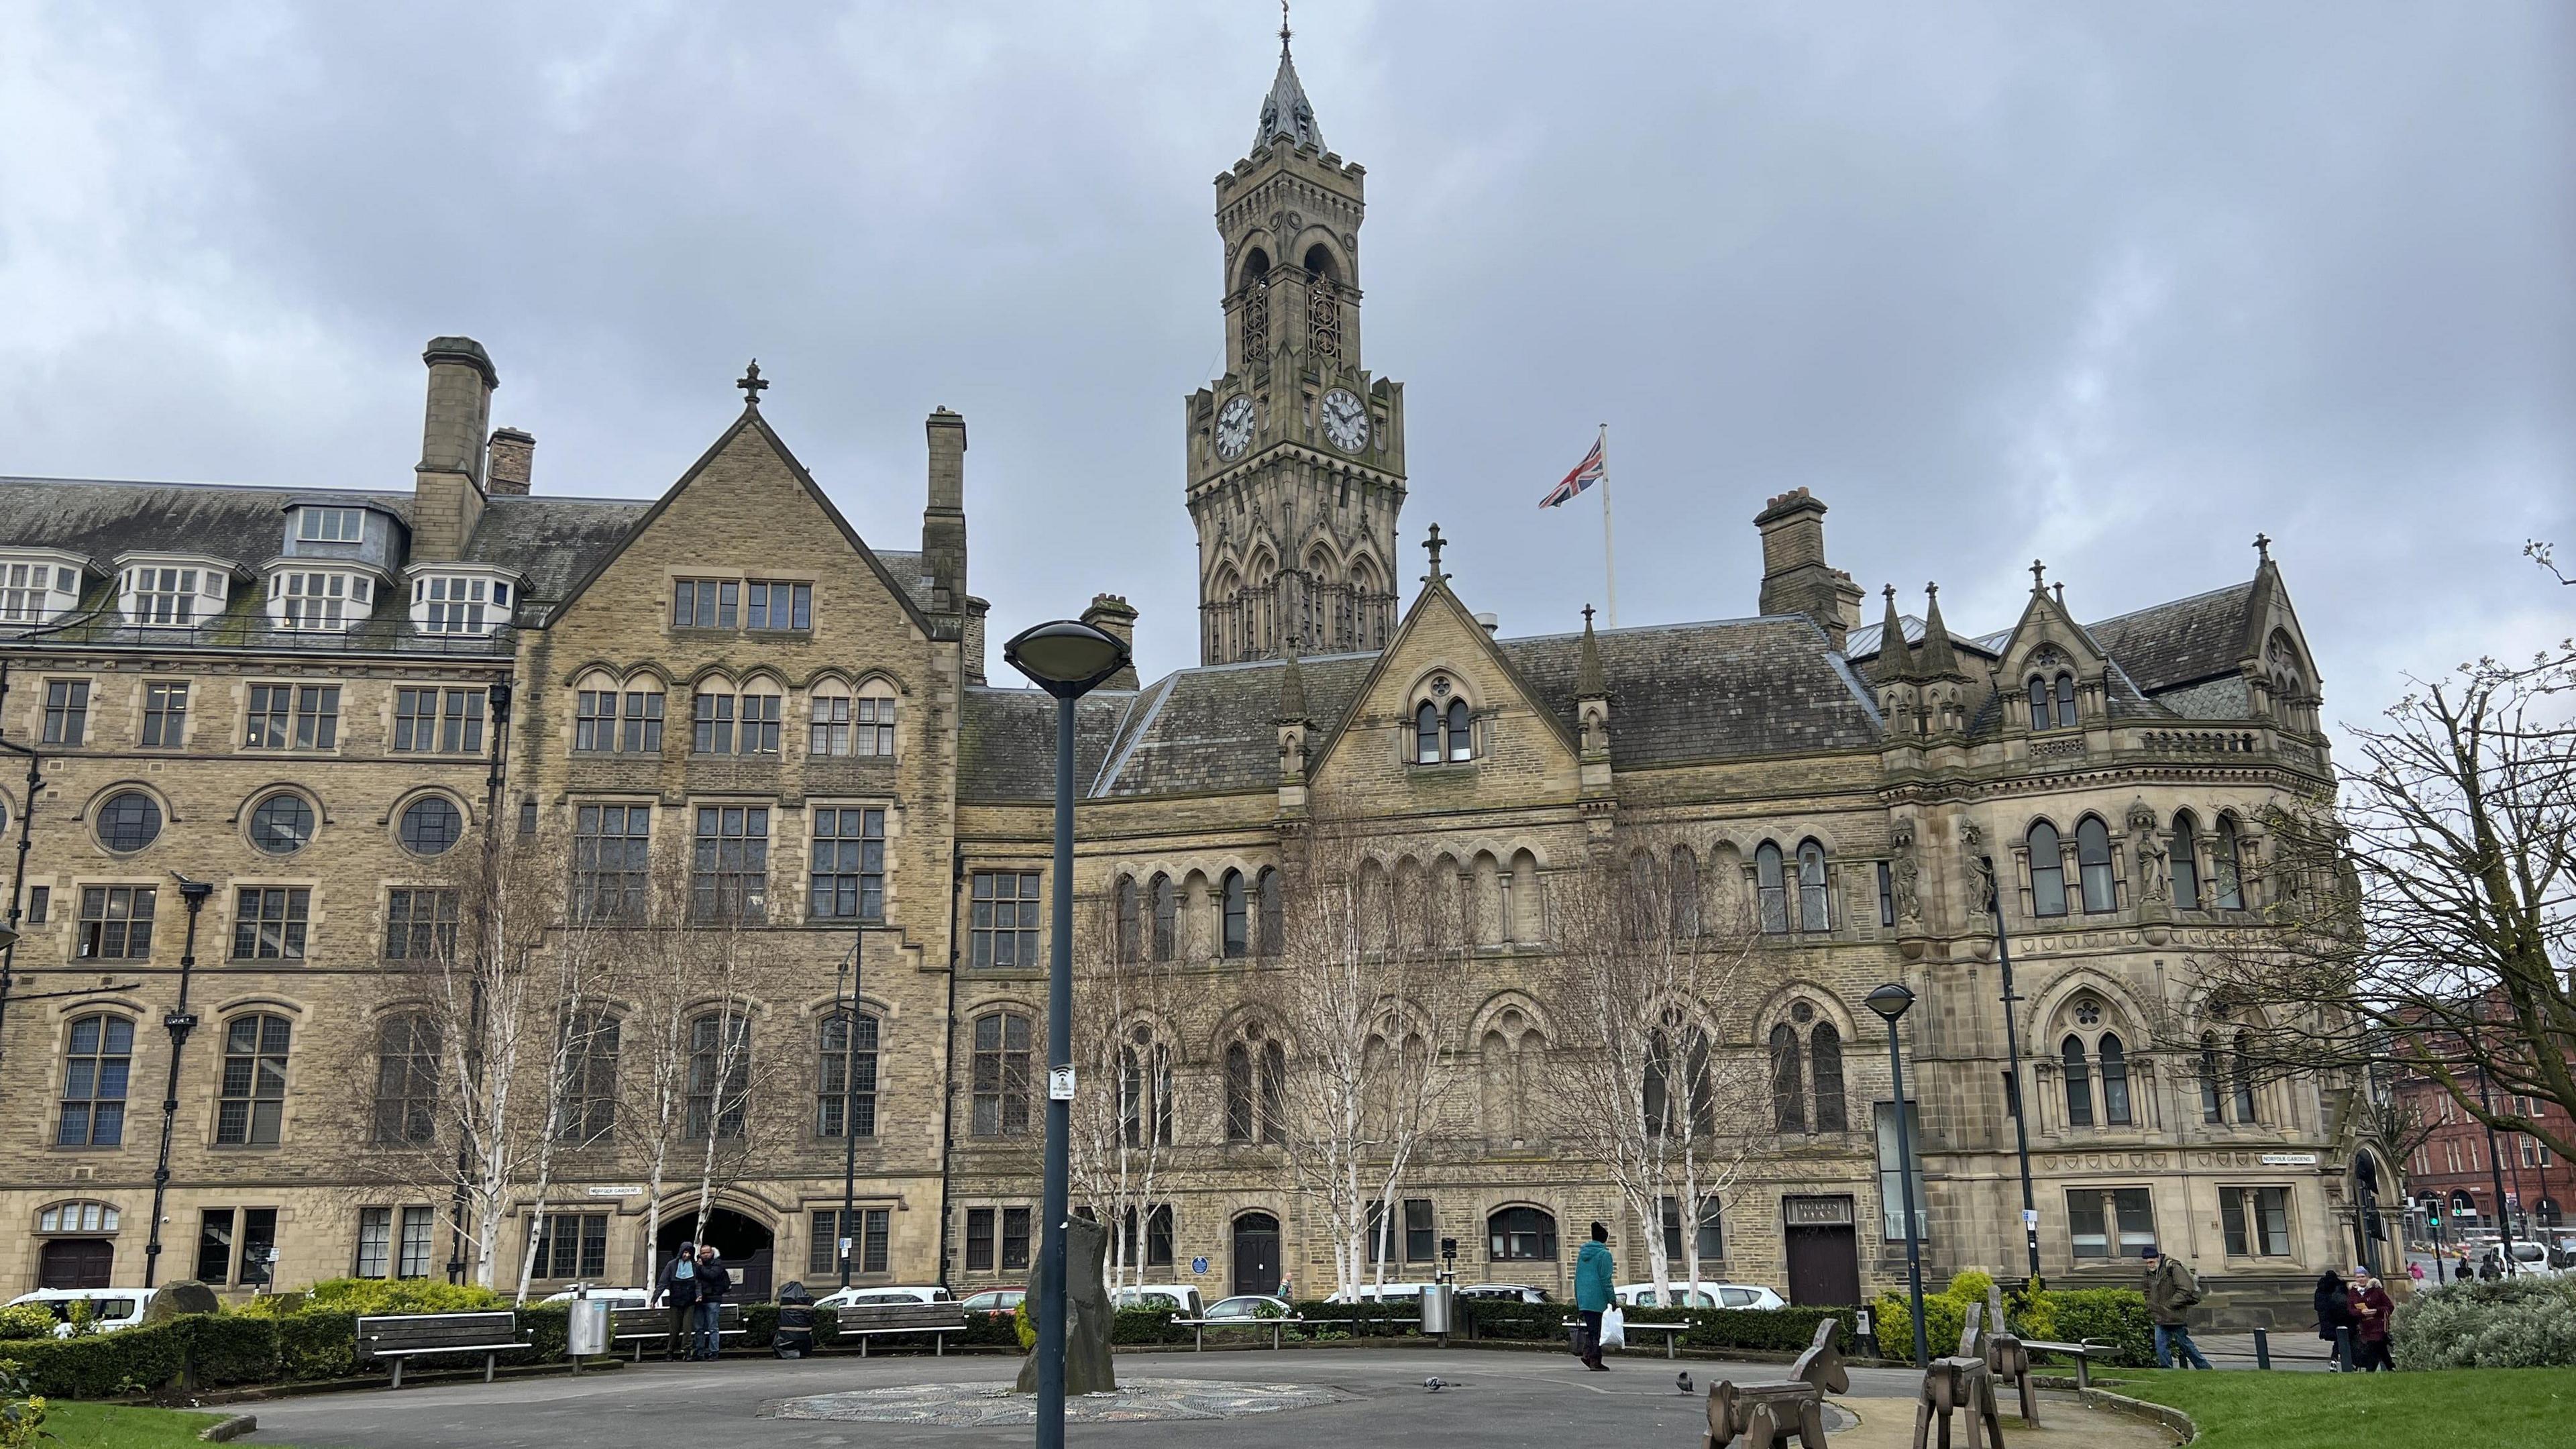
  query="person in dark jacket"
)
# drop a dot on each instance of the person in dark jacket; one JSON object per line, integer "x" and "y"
{"x": 2371, "y": 1307}
{"x": 2171, "y": 1291}
{"x": 2334, "y": 1311}
{"x": 677, "y": 1290}
{"x": 713, "y": 1283}
{"x": 1594, "y": 1280}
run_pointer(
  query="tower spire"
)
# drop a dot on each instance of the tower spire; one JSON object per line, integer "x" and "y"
{"x": 1285, "y": 113}
{"x": 1895, "y": 661}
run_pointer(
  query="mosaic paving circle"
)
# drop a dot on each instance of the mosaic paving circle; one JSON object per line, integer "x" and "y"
{"x": 979, "y": 1405}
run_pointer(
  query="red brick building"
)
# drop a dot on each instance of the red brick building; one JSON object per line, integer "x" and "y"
{"x": 2455, "y": 1164}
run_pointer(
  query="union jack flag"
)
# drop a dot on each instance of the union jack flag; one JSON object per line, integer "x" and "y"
{"x": 1586, "y": 473}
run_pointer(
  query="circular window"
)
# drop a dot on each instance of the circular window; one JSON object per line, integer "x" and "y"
{"x": 431, "y": 825}
{"x": 282, "y": 825}
{"x": 1803, "y": 1012}
{"x": 129, "y": 822}
{"x": 2088, "y": 1012}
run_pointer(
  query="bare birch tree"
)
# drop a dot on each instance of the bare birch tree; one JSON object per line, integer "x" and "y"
{"x": 571, "y": 984}
{"x": 1124, "y": 1005}
{"x": 1367, "y": 987}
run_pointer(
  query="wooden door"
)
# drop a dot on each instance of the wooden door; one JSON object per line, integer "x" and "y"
{"x": 1256, "y": 1253}
{"x": 77, "y": 1263}
{"x": 1824, "y": 1265}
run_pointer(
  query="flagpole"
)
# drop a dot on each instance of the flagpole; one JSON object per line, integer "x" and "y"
{"x": 1609, "y": 566}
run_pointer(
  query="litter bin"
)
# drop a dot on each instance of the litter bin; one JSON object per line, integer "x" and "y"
{"x": 795, "y": 1335}
{"x": 586, "y": 1332}
{"x": 1437, "y": 1302}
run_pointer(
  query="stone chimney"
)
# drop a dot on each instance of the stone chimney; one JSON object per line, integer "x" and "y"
{"x": 943, "y": 521}
{"x": 1115, "y": 617}
{"x": 970, "y": 639}
{"x": 447, "y": 486}
{"x": 1795, "y": 576}
{"x": 507, "y": 461}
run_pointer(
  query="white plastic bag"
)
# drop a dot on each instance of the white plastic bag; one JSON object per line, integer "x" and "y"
{"x": 1614, "y": 1327}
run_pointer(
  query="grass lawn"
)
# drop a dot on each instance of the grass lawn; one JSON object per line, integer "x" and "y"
{"x": 2489, "y": 1408}
{"x": 114, "y": 1426}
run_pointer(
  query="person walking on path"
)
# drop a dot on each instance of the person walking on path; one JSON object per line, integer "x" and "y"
{"x": 677, "y": 1289}
{"x": 2334, "y": 1318}
{"x": 2415, "y": 1274}
{"x": 713, "y": 1283}
{"x": 1593, "y": 1277}
{"x": 2171, "y": 1291}
{"x": 2371, "y": 1306}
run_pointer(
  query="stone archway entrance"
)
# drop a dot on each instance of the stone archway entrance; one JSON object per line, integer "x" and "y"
{"x": 743, "y": 1244}
{"x": 1256, "y": 1253}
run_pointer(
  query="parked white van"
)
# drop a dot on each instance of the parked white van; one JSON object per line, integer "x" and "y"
{"x": 1181, "y": 1298}
{"x": 110, "y": 1308}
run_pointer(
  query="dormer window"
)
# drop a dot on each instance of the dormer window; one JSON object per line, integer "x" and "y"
{"x": 1443, "y": 726}
{"x": 459, "y": 603}
{"x": 330, "y": 525}
{"x": 2052, "y": 705}
{"x": 306, "y": 599}
{"x": 174, "y": 594}
{"x": 35, "y": 591}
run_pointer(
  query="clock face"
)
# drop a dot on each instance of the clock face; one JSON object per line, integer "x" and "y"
{"x": 1234, "y": 428}
{"x": 1346, "y": 424}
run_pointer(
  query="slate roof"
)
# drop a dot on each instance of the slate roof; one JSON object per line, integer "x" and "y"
{"x": 1217, "y": 727}
{"x": 1678, "y": 692}
{"x": 2182, "y": 642}
{"x": 1861, "y": 644}
{"x": 1006, "y": 741}
{"x": 103, "y": 517}
{"x": 551, "y": 542}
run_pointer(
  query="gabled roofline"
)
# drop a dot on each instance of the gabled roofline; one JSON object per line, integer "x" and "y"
{"x": 1438, "y": 586}
{"x": 750, "y": 418}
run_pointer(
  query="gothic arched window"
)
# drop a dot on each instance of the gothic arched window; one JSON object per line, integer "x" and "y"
{"x": 1685, "y": 893}
{"x": 2066, "y": 701}
{"x": 2093, "y": 864}
{"x": 2047, "y": 871}
{"x": 2079, "y": 1083}
{"x": 2226, "y": 874}
{"x": 2241, "y": 1072}
{"x": 1826, "y": 1059}
{"x": 1131, "y": 926}
{"x": 1238, "y": 914}
{"x": 1426, "y": 734}
{"x": 2211, "y": 1109}
{"x": 2039, "y": 713}
{"x": 1167, "y": 917}
{"x": 1270, "y": 915}
{"x": 1771, "y": 888}
{"x": 1788, "y": 1085}
{"x": 2115, "y": 1080}
{"x": 1461, "y": 742}
{"x": 2186, "y": 861}
{"x": 1812, "y": 912}
{"x": 1144, "y": 1088}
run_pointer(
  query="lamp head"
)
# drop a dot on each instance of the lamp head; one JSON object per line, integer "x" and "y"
{"x": 8, "y": 938}
{"x": 1066, "y": 658}
{"x": 194, "y": 892}
{"x": 1891, "y": 1001}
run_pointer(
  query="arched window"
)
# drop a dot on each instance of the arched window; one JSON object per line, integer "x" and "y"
{"x": 1238, "y": 914}
{"x": 2227, "y": 886}
{"x": 2040, "y": 717}
{"x": 406, "y": 1081}
{"x": 2066, "y": 701}
{"x": 1826, "y": 1058}
{"x": 1520, "y": 1235}
{"x": 1144, "y": 1088}
{"x": 1256, "y": 1088}
{"x": 1511, "y": 1058}
{"x": 1242, "y": 1111}
{"x": 2211, "y": 1109}
{"x": 589, "y": 1089}
{"x": 1271, "y": 912}
{"x": 2242, "y": 1074}
{"x": 1426, "y": 734}
{"x": 2115, "y": 1080}
{"x": 98, "y": 1056}
{"x": 1788, "y": 1085}
{"x": 2093, "y": 864}
{"x": 252, "y": 1106}
{"x": 1461, "y": 742}
{"x": 2047, "y": 871}
{"x": 1812, "y": 912}
{"x": 845, "y": 1079}
{"x": 1167, "y": 918}
{"x": 1131, "y": 926}
{"x": 2186, "y": 861}
{"x": 1685, "y": 889}
{"x": 1771, "y": 888}
{"x": 2079, "y": 1084}
{"x": 719, "y": 1074}
{"x": 1002, "y": 1079}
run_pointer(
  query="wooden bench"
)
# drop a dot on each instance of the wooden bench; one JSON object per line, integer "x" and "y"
{"x": 1356, "y": 1323}
{"x": 640, "y": 1326}
{"x": 1767, "y": 1415}
{"x": 1199, "y": 1326}
{"x": 1672, "y": 1332}
{"x": 2083, "y": 1353}
{"x": 864, "y": 1321}
{"x": 400, "y": 1336}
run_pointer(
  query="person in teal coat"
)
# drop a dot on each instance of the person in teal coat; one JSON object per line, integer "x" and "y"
{"x": 1594, "y": 1274}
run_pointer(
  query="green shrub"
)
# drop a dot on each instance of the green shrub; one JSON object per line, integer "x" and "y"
{"x": 107, "y": 1364}
{"x": 1146, "y": 1325}
{"x": 22, "y": 1411}
{"x": 378, "y": 1295}
{"x": 229, "y": 1348}
{"x": 2116, "y": 1316}
{"x": 1970, "y": 1285}
{"x": 317, "y": 1343}
{"x": 27, "y": 1320}
{"x": 2517, "y": 1322}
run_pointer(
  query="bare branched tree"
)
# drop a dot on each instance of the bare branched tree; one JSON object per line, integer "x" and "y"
{"x": 1367, "y": 988}
{"x": 1650, "y": 975}
{"x": 1125, "y": 1004}
{"x": 2431, "y": 920}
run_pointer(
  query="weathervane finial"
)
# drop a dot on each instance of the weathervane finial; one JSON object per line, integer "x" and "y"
{"x": 752, "y": 384}
{"x": 1433, "y": 545}
{"x": 1283, "y": 27}
{"x": 2038, "y": 576}
{"x": 2263, "y": 547}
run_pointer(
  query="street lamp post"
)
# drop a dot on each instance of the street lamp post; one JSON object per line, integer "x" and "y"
{"x": 180, "y": 1021}
{"x": 2012, "y": 1069}
{"x": 1891, "y": 1002}
{"x": 1068, "y": 660}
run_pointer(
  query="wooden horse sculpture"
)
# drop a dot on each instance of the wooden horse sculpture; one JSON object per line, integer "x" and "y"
{"x": 1960, "y": 1382}
{"x": 2008, "y": 1359}
{"x": 1769, "y": 1415}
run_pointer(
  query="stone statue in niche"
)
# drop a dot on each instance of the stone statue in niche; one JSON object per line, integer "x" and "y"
{"x": 2154, "y": 884}
{"x": 1907, "y": 872}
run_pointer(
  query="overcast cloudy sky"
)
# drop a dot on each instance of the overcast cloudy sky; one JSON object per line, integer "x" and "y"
{"x": 2113, "y": 285}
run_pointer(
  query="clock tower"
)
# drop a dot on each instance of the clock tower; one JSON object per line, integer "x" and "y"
{"x": 1296, "y": 455}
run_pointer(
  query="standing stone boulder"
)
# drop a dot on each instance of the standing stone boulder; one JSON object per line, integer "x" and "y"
{"x": 180, "y": 1299}
{"x": 1087, "y": 1367}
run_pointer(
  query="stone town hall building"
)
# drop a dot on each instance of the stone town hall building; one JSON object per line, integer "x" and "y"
{"x": 287, "y": 693}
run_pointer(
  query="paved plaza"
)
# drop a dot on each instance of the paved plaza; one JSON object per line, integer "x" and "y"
{"x": 1494, "y": 1400}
